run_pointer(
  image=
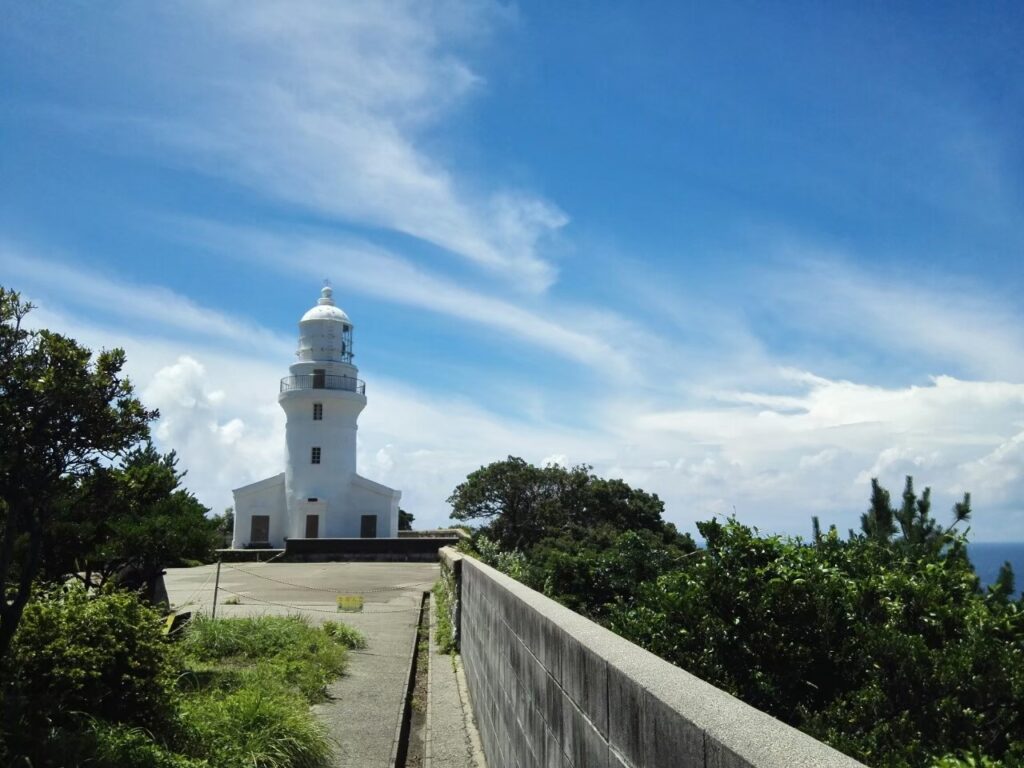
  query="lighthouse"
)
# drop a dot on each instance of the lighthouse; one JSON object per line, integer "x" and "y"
{"x": 320, "y": 494}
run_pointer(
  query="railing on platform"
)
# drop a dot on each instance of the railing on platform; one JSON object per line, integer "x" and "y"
{"x": 323, "y": 381}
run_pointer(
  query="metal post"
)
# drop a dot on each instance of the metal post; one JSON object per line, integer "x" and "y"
{"x": 216, "y": 586}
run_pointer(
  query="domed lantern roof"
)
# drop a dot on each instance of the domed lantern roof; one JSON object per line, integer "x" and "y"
{"x": 325, "y": 308}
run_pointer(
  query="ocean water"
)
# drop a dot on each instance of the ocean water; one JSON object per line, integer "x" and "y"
{"x": 989, "y": 556}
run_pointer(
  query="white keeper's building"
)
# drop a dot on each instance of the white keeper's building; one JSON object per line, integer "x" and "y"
{"x": 319, "y": 494}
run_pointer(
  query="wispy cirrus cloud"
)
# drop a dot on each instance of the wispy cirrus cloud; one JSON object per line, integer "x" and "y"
{"x": 330, "y": 108}
{"x": 591, "y": 336}
{"x": 941, "y": 320}
{"x": 150, "y": 306}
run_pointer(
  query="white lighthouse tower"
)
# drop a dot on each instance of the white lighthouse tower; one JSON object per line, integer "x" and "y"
{"x": 320, "y": 494}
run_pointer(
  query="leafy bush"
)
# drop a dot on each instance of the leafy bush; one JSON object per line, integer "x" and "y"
{"x": 889, "y": 654}
{"x": 94, "y": 682}
{"x": 103, "y": 654}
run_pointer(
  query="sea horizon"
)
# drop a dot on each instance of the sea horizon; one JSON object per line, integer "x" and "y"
{"x": 989, "y": 556}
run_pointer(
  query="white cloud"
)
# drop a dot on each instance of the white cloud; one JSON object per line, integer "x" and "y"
{"x": 927, "y": 319}
{"x": 774, "y": 459}
{"x": 602, "y": 340}
{"x": 148, "y": 305}
{"x": 331, "y": 107}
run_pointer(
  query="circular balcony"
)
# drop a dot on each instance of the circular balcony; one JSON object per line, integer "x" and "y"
{"x": 323, "y": 381}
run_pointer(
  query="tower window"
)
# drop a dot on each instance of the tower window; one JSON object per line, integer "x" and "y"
{"x": 318, "y": 411}
{"x": 315, "y": 455}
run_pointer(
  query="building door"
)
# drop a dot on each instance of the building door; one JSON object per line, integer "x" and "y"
{"x": 312, "y": 526}
{"x": 259, "y": 529}
{"x": 368, "y": 528}
{"x": 319, "y": 378}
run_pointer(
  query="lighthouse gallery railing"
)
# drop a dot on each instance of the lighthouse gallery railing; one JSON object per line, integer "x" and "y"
{"x": 323, "y": 381}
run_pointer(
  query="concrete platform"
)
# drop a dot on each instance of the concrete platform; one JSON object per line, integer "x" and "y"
{"x": 366, "y": 703}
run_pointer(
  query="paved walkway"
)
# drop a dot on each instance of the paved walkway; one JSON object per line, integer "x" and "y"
{"x": 365, "y": 706}
{"x": 452, "y": 741}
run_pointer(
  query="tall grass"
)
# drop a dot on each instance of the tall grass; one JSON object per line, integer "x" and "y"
{"x": 259, "y": 725}
{"x": 232, "y": 653}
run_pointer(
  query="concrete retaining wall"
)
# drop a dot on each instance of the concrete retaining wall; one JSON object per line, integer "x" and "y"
{"x": 551, "y": 688}
{"x": 396, "y": 550}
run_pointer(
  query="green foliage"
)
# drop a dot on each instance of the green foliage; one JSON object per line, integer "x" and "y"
{"x": 444, "y": 632}
{"x": 605, "y": 568}
{"x": 912, "y": 520}
{"x": 889, "y": 653}
{"x": 260, "y": 724}
{"x": 131, "y": 519}
{"x": 489, "y": 552}
{"x": 521, "y": 504}
{"x": 62, "y": 412}
{"x": 405, "y": 520}
{"x": 252, "y": 680}
{"x": 286, "y": 648}
{"x": 346, "y": 636}
{"x": 104, "y": 654}
{"x": 95, "y": 682}
{"x": 882, "y": 645}
{"x": 76, "y": 654}
{"x": 119, "y": 746}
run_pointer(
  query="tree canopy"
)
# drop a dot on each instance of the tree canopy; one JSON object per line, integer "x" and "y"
{"x": 63, "y": 413}
{"x": 883, "y": 644}
{"x": 82, "y": 491}
{"x": 521, "y": 505}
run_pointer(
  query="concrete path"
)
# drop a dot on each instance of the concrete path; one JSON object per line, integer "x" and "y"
{"x": 451, "y": 738}
{"x": 365, "y": 706}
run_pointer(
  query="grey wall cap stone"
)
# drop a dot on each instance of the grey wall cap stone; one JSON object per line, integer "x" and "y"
{"x": 736, "y": 734}
{"x": 449, "y": 556}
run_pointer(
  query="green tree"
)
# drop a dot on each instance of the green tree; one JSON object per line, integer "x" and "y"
{"x": 225, "y": 523}
{"x": 521, "y": 504}
{"x": 129, "y": 522}
{"x": 405, "y": 520}
{"x": 912, "y": 521}
{"x": 63, "y": 413}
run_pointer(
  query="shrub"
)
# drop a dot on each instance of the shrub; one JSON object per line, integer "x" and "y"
{"x": 103, "y": 654}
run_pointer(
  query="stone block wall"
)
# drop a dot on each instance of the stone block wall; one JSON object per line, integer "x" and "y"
{"x": 551, "y": 688}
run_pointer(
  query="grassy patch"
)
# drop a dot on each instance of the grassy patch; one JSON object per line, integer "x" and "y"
{"x": 445, "y": 632}
{"x": 350, "y": 603}
{"x": 262, "y": 723}
{"x": 344, "y": 634}
{"x": 267, "y": 651}
{"x": 248, "y": 686}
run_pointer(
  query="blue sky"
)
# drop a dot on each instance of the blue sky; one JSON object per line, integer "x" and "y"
{"x": 747, "y": 256}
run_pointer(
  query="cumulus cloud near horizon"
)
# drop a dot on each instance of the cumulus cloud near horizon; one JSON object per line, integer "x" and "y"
{"x": 773, "y": 468}
{"x": 773, "y": 459}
